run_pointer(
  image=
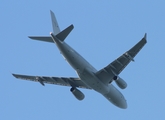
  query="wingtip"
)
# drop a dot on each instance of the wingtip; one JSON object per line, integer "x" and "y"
{"x": 14, "y": 75}
{"x": 72, "y": 25}
{"x": 31, "y": 37}
{"x": 145, "y": 35}
{"x": 145, "y": 38}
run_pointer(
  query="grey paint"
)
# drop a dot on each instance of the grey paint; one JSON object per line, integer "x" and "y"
{"x": 88, "y": 76}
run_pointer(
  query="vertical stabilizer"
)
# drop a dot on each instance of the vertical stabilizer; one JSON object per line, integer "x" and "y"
{"x": 55, "y": 26}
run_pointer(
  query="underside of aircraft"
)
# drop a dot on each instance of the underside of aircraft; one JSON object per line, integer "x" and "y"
{"x": 88, "y": 77}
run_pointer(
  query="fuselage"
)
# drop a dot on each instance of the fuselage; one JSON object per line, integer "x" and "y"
{"x": 87, "y": 74}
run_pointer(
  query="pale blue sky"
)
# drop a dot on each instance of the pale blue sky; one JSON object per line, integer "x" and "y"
{"x": 103, "y": 31}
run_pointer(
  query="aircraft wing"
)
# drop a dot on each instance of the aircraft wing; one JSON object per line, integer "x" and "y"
{"x": 73, "y": 82}
{"x": 106, "y": 74}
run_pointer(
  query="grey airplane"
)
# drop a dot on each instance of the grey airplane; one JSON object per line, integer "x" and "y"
{"x": 88, "y": 77}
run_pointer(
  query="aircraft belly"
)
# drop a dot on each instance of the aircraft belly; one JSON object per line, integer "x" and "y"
{"x": 91, "y": 80}
{"x": 86, "y": 73}
{"x": 73, "y": 59}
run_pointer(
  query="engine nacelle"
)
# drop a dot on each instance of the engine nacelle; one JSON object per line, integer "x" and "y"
{"x": 77, "y": 93}
{"x": 120, "y": 82}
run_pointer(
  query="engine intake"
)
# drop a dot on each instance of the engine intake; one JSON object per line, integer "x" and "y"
{"x": 120, "y": 82}
{"x": 77, "y": 93}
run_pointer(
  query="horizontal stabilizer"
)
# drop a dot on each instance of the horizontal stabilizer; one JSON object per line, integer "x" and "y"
{"x": 42, "y": 38}
{"x": 63, "y": 34}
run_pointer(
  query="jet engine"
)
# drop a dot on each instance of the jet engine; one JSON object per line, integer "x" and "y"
{"x": 120, "y": 82}
{"x": 77, "y": 93}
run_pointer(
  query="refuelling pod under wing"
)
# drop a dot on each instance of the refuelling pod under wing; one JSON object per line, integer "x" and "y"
{"x": 120, "y": 82}
{"x": 77, "y": 93}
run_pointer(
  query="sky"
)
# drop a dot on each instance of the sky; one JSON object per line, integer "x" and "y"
{"x": 103, "y": 30}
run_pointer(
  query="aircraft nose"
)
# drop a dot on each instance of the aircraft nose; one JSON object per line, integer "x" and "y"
{"x": 123, "y": 104}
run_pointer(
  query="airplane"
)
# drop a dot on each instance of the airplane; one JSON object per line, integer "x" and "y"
{"x": 88, "y": 77}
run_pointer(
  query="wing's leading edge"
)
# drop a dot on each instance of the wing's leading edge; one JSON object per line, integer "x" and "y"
{"x": 106, "y": 74}
{"x": 70, "y": 81}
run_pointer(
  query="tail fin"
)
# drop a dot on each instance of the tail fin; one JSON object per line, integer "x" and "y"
{"x": 55, "y": 25}
{"x": 60, "y": 35}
